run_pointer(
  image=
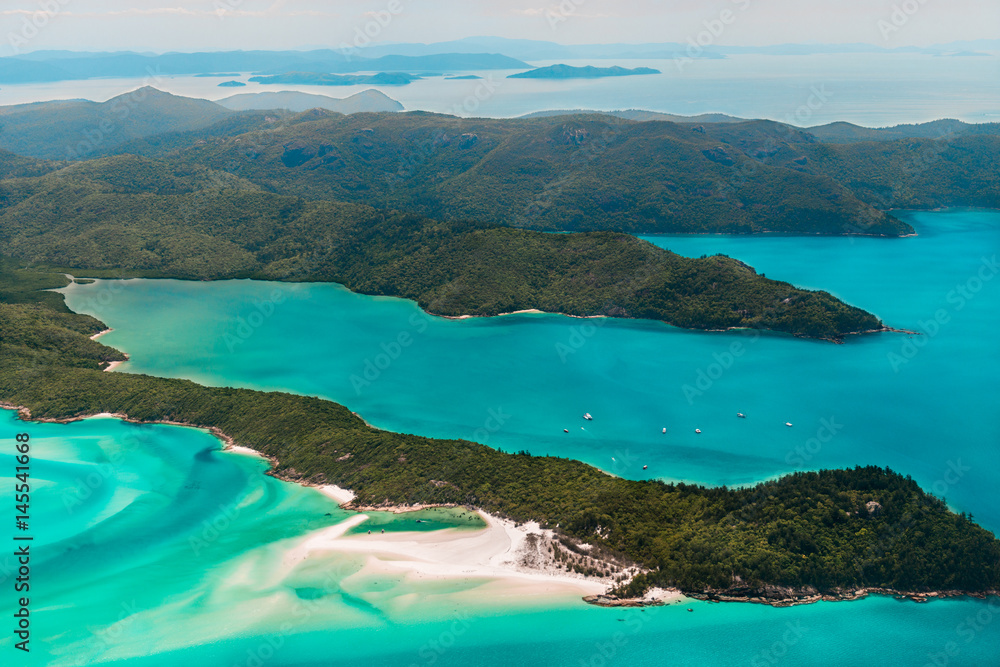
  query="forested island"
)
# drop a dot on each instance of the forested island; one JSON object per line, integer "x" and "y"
{"x": 637, "y": 174}
{"x": 322, "y": 79}
{"x": 793, "y": 539}
{"x": 128, "y": 216}
{"x": 455, "y": 214}
{"x": 586, "y": 72}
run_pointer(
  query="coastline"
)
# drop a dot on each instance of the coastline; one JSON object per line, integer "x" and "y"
{"x": 112, "y": 365}
{"x": 514, "y": 556}
{"x": 507, "y": 558}
{"x": 775, "y": 596}
{"x": 503, "y": 553}
{"x": 534, "y": 311}
{"x": 837, "y": 340}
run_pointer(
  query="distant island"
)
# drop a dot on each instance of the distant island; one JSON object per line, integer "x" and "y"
{"x": 367, "y": 100}
{"x": 319, "y": 79}
{"x": 463, "y": 77}
{"x": 232, "y": 84}
{"x": 588, "y": 72}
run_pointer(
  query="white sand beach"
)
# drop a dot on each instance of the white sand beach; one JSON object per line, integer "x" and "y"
{"x": 245, "y": 451}
{"x": 337, "y": 494}
{"x": 508, "y": 559}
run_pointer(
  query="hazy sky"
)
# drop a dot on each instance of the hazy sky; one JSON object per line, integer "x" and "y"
{"x": 185, "y": 25}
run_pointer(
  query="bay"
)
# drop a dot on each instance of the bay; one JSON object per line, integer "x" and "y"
{"x": 924, "y": 405}
{"x": 931, "y": 415}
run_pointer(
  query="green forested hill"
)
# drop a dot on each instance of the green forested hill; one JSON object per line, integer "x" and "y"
{"x": 78, "y": 129}
{"x": 135, "y": 216}
{"x": 562, "y": 173}
{"x": 556, "y": 173}
{"x": 807, "y": 530}
{"x": 598, "y": 172}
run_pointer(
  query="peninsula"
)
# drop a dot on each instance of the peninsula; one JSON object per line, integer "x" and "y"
{"x": 838, "y": 533}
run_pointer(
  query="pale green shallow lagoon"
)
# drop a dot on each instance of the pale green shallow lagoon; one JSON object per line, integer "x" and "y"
{"x": 172, "y": 559}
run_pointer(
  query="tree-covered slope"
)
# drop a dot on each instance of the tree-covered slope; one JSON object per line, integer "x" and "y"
{"x": 137, "y": 216}
{"x": 807, "y": 530}
{"x": 76, "y": 129}
{"x": 561, "y": 173}
{"x": 556, "y": 173}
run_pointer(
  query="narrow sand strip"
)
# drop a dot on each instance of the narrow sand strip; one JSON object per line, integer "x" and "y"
{"x": 492, "y": 554}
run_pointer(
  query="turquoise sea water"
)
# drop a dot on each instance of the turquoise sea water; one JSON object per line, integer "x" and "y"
{"x": 152, "y": 548}
{"x": 924, "y": 405}
{"x": 515, "y": 382}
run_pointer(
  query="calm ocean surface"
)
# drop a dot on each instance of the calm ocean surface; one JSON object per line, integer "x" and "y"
{"x": 867, "y": 89}
{"x": 924, "y": 405}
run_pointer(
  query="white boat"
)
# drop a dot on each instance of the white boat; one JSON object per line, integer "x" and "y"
{"x": 788, "y": 424}
{"x": 664, "y": 430}
{"x": 587, "y": 416}
{"x": 741, "y": 415}
{"x": 697, "y": 430}
{"x": 565, "y": 430}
